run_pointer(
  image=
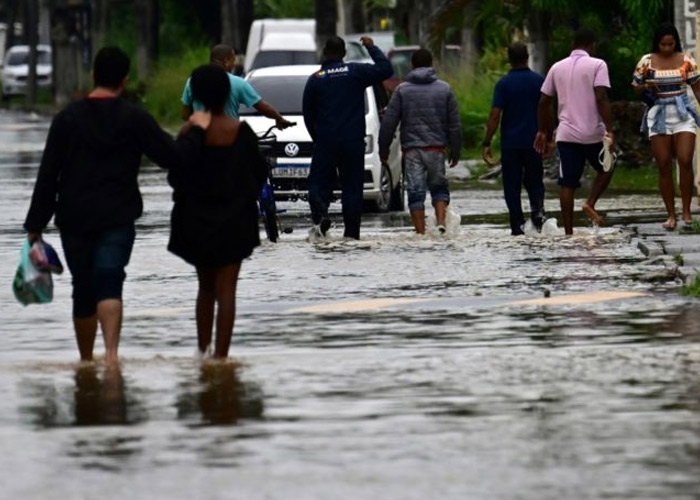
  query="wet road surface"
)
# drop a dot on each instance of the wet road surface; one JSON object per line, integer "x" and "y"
{"x": 440, "y": 384}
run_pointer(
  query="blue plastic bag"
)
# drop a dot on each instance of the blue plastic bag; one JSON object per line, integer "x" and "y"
{"x": 31, "y": 285}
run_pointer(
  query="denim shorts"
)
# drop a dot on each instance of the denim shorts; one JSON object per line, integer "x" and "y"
{"x": 572, "y": 160}
{"x": 425, "y": 170}
{"x": 97, "y": 262}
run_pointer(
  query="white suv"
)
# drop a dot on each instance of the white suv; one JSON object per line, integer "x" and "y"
{"x": 283, "y": 87}
{"x": 15, "y": 69}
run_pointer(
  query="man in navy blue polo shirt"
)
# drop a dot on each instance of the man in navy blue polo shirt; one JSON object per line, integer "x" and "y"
{"x": 516, "y": 97}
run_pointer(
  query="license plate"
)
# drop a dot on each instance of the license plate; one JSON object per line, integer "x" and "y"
{"x": 294, "y": 171}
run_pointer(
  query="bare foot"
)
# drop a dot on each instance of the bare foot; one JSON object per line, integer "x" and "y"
{"x": 593, "y": 215}
{"x": 687, "y": 219}
{"x": 670, "y": 224}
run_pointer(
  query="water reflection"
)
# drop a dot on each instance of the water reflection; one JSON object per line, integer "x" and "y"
{"x": 99, "y": 397}
{"x": 219, "y": 397}
{"x": 100, "y": 401}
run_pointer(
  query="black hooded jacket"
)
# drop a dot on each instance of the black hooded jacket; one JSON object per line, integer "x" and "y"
{"x": 88, "y": 175}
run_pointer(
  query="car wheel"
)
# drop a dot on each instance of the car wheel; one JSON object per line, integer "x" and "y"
{"x": 383, "y": 201}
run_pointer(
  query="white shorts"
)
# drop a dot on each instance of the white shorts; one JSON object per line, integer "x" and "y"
{"x": 674, "y": 124}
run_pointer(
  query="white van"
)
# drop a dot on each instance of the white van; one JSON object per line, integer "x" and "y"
{"x": 276, "y": 42}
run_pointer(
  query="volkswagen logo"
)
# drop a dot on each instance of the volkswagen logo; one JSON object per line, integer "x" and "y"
{"x": 291, "y": 149}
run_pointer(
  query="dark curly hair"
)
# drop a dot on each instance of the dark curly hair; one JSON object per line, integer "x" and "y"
{"x": 211, "y": 86}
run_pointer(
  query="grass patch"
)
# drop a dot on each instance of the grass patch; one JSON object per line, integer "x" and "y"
{"x": 694, "y": 229}
{"x": 638, "y": 179}
{"x": 692, "y": 289}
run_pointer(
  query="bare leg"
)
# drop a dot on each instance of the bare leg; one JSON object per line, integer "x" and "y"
{"x": 685, "y": 148}
{"x": 566, "y": 201}
{"x": 109, "y": 314}
{"x": 226, "y": 281}
{"x": 440, "y": 212}
{"x": 204, "y": 310}
{"x": 662, "y": 149}
{"x": 600, "y": 184}
{"x": 418, "y": 218}
{"x": 85, "y": 333}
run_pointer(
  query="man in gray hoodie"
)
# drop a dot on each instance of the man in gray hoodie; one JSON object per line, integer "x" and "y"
{"x": 430, "y": 130}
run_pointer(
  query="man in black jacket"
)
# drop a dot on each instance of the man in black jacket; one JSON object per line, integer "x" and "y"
{"x": 334, "y": 114}
{"x": 88, "y": 179}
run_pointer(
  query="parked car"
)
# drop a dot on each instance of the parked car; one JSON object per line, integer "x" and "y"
{"x": 400, "y": 59}
{"x": 283, "y": 87}
{"x": 281, "y": 42}
{"x": 15, "y": 69}
{"x": 382, "y": 39}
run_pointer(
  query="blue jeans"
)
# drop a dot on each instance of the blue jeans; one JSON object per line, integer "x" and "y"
{"x": 97, "y": 262}
{"x": 522, "y": 167}
{"x": 425, "y": 170}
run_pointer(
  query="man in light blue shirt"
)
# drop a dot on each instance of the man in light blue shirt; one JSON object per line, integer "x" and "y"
{"x": 241, "y": 91}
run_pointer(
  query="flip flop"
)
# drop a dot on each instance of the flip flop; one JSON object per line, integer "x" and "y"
{"x": 606, "y": 157}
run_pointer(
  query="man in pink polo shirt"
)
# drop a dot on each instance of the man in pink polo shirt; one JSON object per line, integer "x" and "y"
{"x": 580, "y": 83}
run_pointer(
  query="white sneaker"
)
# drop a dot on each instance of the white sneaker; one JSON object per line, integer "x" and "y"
{"x": 606, "y": 157}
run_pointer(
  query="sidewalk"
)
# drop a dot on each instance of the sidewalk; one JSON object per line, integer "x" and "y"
{"x": 671, "y": 248}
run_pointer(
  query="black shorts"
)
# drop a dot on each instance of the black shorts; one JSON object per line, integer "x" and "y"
{"x": 572, "y": 160}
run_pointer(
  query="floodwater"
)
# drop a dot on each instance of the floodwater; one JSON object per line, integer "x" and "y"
{"x": 397, "y": 367}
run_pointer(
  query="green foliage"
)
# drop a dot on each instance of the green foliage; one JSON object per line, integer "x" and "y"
{"x": 474, "y": 92}
{"x": 692, "y": 229}
{"x": 296, "y": 9}
{"x": 692, "y": 289}
{"x": 178, "y": 32}
{"x": 164, "y": 89}
{"x": 643, "y": 178}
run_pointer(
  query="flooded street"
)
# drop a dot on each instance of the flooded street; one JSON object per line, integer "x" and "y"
{"x": 396, "y": 367}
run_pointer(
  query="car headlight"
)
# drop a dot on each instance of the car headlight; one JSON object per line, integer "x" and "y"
{"x": 369, "y": 144}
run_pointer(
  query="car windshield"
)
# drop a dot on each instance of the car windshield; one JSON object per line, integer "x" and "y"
{"x": 269, "y": 58}
{"x": 354, "y": 51}
{"x": 284, "y": 93}
{"x": 401, "y": 63}
{"x": 20, "y": 58}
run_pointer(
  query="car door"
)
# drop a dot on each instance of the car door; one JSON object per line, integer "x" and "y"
{"x": 382, "y": 99}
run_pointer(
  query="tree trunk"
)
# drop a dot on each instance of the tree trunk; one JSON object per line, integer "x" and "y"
{"x": 538, "y": 42}
{"x": 470, "y": 39}
{"x": 100, "y": 24}
{"x": 11, "y": 38}
{"x": 236, "y": 18}
{"x": 66, "y": 56}
{"x": 31, "y": 34}
{"x": 326, "y": 15}
{"x": 353, "y": 16}
{"x": 149, "y": 24}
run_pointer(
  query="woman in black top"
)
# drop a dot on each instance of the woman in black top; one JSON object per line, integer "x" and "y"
{"x": 214, "y": 223}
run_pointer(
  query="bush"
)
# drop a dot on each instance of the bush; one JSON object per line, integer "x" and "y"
{"x": 162, "y": 91}
{"x": 474, "y": 93}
